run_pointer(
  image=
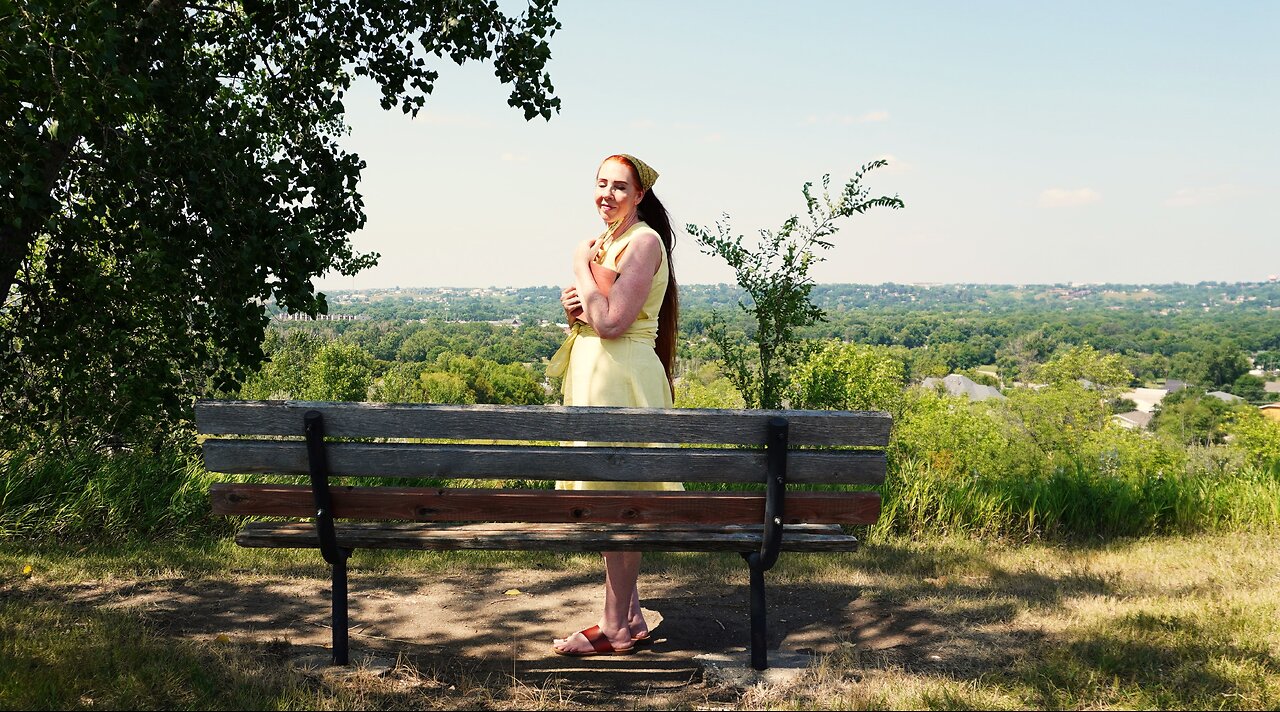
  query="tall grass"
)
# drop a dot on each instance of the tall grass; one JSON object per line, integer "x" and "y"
{"x": 81, "y": 495}
{"x": 1048, "y": 465}
{"x": 1076, "y": 499}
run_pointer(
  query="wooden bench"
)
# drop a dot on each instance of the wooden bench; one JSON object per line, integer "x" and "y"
{"x": 369, "y": 440}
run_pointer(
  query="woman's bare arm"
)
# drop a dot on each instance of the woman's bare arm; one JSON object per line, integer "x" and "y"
{"x": 612, "y": 315}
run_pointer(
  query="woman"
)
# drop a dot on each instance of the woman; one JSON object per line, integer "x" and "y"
{"x": 620, "y": 352}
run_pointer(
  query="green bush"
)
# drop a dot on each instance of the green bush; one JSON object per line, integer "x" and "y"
{"x": 1256, "y": 437}
{"x": 843, "y": 376}
{"x": 1035, "y": 469}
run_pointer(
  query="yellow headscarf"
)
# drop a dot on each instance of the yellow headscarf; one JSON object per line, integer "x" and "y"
{"x": 647, "y": 175}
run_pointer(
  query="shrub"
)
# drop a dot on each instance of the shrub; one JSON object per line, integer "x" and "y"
{"x": 843, "y": 376}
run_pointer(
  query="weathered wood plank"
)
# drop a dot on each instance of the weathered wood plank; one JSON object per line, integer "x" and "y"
{"x": 611, "y": 464}
{"x": 428, "y": 504}
{"x": 544, "y": 537}
{"x": 517, "y": 527}
{"x": 502, "y": 422}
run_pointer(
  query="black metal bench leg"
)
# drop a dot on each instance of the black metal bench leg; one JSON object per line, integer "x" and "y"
{"x": 340, "y": 612}
{"x": 771, "y": 539}
{"x": 759, "y": 626}
{"x": 336, "y": 556}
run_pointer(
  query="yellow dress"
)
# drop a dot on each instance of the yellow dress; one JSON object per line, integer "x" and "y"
{"x": 624, "y": 371}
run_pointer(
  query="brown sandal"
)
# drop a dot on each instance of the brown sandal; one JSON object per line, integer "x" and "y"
{"x": 599, "y": 642}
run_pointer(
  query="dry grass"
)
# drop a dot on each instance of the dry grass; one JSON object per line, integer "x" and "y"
{"x": 1170, "y": 623}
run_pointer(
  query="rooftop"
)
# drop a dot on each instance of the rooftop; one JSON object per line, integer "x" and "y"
{"x": 958, "y": 385}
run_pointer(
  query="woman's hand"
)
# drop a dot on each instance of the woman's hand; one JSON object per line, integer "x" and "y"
{"x": 586, "y": 251}
{"x": 571, "y": 302}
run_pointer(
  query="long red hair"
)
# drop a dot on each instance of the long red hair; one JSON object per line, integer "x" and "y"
{"x": 654, "y": 213}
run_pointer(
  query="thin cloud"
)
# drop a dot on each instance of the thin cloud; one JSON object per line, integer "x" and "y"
{"x": 515, "y": 157}
{"x": 715, "y": 137}
{"x": 1192, "y": 197}
{"x": 1068, "y": 198}
{"x": 874, "y": 117}
{"x": 642, "y": 124}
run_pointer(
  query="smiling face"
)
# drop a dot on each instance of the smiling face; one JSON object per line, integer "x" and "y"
{"x": 617, "y": 191}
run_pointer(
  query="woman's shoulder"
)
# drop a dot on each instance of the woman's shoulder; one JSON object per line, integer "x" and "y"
{"x": 640, "y": 241}
{"x": 639, "y": 233}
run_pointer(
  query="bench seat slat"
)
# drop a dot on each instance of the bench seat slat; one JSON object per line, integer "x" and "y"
{"x": 639, "y": 464}
{"x": 512, "y": 505}
{"x": 505, "y": 422}
{"x": 545, "y": 537}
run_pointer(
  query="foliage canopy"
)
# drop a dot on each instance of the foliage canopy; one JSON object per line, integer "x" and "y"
{"x": 170, "y": 167}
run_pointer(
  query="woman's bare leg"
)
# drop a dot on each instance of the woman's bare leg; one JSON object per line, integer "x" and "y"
{"x": 622, "y": 569}
{"x": 635, "y": 620}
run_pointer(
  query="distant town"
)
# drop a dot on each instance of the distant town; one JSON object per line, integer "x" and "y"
{"x": 541, "y": 303}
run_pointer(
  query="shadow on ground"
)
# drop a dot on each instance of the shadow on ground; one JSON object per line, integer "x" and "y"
{"x": 502, "y": 619}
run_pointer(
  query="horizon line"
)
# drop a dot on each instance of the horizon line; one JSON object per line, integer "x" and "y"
{"x": 1021, "y": 285}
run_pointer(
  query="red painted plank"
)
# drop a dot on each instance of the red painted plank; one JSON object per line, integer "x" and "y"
{"x": 506, "y": 505}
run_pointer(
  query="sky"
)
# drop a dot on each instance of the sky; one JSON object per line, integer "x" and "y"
{"x": 1032, "y": 142}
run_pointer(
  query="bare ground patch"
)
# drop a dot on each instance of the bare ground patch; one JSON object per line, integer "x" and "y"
{"x": 477, "y": 622}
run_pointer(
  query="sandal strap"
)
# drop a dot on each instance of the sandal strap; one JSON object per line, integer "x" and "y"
{"x": 598, "y": 640}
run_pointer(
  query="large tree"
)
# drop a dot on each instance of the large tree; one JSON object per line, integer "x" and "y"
{"x": 168, "y": 167}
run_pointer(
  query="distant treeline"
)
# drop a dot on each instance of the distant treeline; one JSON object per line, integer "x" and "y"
{"x": 1161, "y": 331}
{"x": 535, "y": 303}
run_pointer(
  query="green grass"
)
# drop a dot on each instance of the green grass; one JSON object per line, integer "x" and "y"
{"x": 96, "y": 497}
{"x": 1077, "y": 501}
{"x": 55, "y": 656}
{"x": 1081, "y": 614}
{"x": 59, "y": 656}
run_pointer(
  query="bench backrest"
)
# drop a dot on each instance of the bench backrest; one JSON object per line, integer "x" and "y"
{"x": 529, "y": 443}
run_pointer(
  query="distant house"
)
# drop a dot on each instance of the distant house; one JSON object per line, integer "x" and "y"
{"x": 1173, "y": 386}
{"x": 1146, "y": 399}
{"x": 1270, "y": 411}
{"x": 1271, "y": 386}
{"x": 958, "y": 385}
{"x": 1133, "y": 420}
{"x": 1225, "y": 397}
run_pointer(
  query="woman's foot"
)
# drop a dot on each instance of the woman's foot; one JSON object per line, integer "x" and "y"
{"x": 591, "y": 642}
{"x": 639, "y": 628}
